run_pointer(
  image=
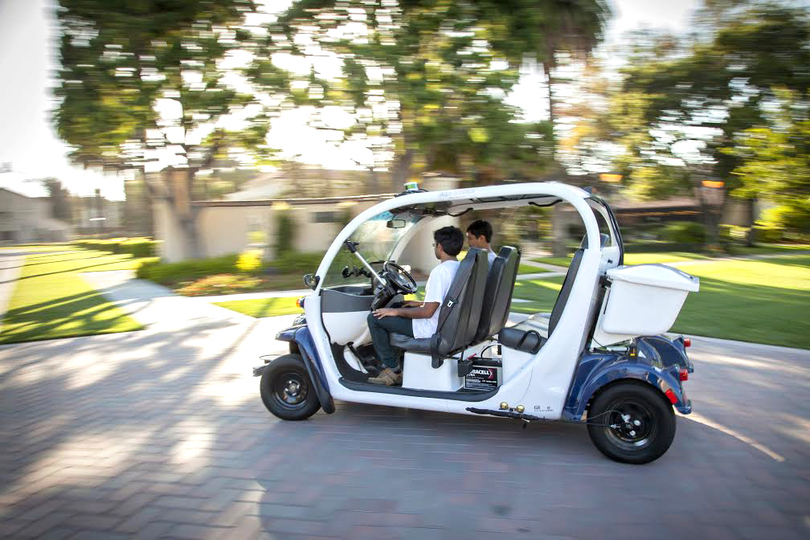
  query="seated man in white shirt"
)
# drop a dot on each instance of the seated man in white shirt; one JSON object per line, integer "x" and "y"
{"x": 416, "y": 319}
{"x": 479, "y": 235}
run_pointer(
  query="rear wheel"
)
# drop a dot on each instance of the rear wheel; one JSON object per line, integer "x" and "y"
{"x": 287, "y": 390}
{"x": 631, "y": 423}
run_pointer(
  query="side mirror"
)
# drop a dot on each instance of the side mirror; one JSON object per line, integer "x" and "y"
{"x": 395, "y": 223}
{"x": 311, "y": 281}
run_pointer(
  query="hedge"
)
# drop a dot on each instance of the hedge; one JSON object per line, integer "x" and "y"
{"x": 685, "y": 232}
{"x": 192, "y": 270}
{"x": 137, "y": 247}
{"x": 172, "y": 273}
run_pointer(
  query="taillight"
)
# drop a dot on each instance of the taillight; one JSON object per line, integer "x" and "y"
{"x": 684, "y": 374}
{"x": 671, "y": 396}
{"x": 687, "y": 342}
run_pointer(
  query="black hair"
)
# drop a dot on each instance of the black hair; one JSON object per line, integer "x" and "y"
{"x": 450, "y": 238}
{"x": 480, "y": 227}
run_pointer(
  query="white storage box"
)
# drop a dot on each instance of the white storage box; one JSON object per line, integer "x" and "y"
{"x": 644, "y": 300}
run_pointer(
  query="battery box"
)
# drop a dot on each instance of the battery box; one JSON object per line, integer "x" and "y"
{"x": 481, "y": 373}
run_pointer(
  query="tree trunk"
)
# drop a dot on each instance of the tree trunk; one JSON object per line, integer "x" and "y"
{"x": 549, "y": 85}
{"x": 178, "y": 183}
{"x": 373, "y": 181}
{"x": 559, "y": 226}
{"x": 402, "y": 170}
{"x": 559, "y": 231}
{"x": 750, "y": 237}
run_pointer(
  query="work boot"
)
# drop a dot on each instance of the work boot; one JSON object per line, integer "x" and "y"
{"x": 388, "y": 377}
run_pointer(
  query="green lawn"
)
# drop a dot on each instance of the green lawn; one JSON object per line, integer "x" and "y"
{"x": 529, "y": 269}
{"x": 760, "y": 301}
{"x": 264, "y": 307}
{"x": 541, "y": 292}
{"x": 51, "y": 299}
{"x": 764, "y": 301}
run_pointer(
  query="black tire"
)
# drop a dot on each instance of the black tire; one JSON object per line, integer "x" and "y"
{"x": 631, "y": 423}
{"x": 287, "y": 390}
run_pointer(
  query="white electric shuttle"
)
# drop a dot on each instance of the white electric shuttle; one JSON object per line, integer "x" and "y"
{"x": 598, "y": 358}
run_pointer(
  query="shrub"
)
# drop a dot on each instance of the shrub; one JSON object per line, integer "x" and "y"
{"x": 137, "y": 247}
{"x": 250, "y": 261}
{"x": 220, "y": 284}
{"x": 768, "y": 233}
{"x": 285, "y": 234}
{"x": 685, "y": 232}
{"x": 172, "y": 273}
{"x": 786, "y": 218}
{"x": 291, "y": 263}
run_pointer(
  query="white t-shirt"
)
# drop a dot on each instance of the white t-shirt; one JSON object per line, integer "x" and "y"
{"x": 436, "y": 289}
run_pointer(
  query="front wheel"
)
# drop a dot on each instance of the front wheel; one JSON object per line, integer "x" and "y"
{"x": 631, "y": 423}
{"x": 287, "y": 390}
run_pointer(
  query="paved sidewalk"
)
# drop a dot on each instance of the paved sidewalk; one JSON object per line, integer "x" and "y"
{"x": 157, "y": 307}
{"x": 11, "y": 264}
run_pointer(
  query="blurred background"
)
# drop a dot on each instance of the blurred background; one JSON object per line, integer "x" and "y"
{"x": 218, "y": 127}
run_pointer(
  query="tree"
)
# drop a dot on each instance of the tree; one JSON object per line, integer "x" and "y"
{"x": 775, "y": 160}
{"x": 61, "y": 207}
{"x": 426, "y": 79}
{"x": 708, "y": 94}
{"x": 138, "y": 79}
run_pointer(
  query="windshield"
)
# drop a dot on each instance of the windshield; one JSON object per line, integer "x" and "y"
{"x": 375, "y": 241}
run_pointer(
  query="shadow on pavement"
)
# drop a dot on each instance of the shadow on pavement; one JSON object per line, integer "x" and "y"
{"x": 164, "y": 434}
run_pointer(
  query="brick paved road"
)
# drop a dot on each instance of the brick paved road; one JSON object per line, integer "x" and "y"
{"x": 154, "y": 434}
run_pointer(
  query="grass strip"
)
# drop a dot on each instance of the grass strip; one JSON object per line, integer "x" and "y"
{"x": 761, "y": 301}
{"x": 52, "y": 300}
{"x": 264, "y": 307}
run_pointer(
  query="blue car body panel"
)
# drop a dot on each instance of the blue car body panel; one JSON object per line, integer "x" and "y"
{"x": 301, "y": 336}
{"x": 653, "y": 360}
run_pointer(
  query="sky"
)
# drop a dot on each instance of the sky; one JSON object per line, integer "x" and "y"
{"x": 28, "y": 57}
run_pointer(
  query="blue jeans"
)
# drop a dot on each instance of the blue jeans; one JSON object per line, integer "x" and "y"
{"x": 381, "y": 329}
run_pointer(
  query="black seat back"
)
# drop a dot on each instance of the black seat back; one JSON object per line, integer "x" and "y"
{"x": 498, "y": 293}
{"x": 565, "y": 291}
{"x": 461, "y": 309}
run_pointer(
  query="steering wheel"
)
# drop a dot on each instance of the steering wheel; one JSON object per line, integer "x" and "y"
{"x": 401, "y": 280}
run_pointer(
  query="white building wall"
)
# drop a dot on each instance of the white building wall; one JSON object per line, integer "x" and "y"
{"x": 226, "y": 230}
{"x": 25, "y": 219}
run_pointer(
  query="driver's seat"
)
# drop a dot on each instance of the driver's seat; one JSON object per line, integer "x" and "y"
{"x": 459, "y": 315}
